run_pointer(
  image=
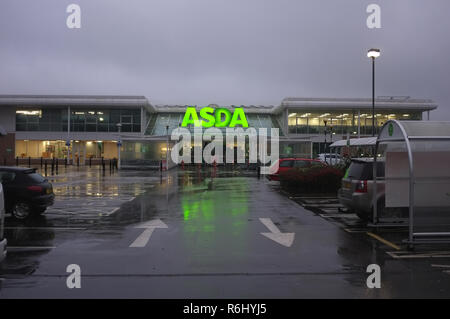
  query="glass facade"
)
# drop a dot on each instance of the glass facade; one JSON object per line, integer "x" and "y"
{"x": 155, "y": 150}
{"x": 158, "y": 122}
{"x": 58, "y": 149}
{"x": 342, "y": 122}
{"x": 82, "y": 120}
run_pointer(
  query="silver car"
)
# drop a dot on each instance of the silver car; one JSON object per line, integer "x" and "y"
{"x": 356, "y": 193}
{"x": 330, "y": 158}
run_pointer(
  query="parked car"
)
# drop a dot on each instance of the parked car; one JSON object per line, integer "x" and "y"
{"x": 330, "y": 158}
{"x": 356, "y": 193}
{"x": 26, "y": 192}
{"x": 2, "y": 226}
{"x": 285, "y": 164}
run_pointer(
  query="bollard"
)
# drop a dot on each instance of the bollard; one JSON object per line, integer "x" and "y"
{"x": 45, "y": 167}
{"x": 57, "y": 166}
{"x": 65, "y": 162}
{"x": 17, "y": 160}
{"x": 78, "y": 161}
{"x": 41, "y": 162}
{"x": 29, "y": 161}
{"x": 53, "y": 165}
{"x": 90, "y": 161}
{"x": 259, "y": 171}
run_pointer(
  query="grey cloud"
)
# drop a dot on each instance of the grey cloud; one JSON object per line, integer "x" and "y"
{"x": 225, "y": 52}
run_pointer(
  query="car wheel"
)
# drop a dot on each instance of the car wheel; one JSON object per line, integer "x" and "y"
{"x": 21, "y": 210}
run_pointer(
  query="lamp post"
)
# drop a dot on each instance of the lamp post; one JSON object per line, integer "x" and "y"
{"x": 167, "y": 148}
{"x": 119, "y": 144}
{"x": 68, "y": 135}
{"x": 325, "y": 133}
{"x": 373, "y": 54}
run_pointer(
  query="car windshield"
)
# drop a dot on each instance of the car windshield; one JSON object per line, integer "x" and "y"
{"x": 364, "y": 171}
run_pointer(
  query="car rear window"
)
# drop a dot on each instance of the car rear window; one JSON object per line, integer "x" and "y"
{"x": 34, "y": 177}
{"x": 286, "y": 163}
{"x": 364, "y": 171}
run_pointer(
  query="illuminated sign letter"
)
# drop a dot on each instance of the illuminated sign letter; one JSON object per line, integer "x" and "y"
{"x": 207, "y": 114}
{"x": 239, "y": 113}
{"x": 190, "y": 117}
{"x": 219, "y": 122}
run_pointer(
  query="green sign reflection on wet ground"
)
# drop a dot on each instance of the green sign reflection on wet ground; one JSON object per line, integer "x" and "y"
{"x": 215, "y": 213}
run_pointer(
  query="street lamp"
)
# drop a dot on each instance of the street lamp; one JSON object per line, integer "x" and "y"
{"x": 373, "y": 54}
{"x": 167, "y": 147}
{"x": 119, "y": 143}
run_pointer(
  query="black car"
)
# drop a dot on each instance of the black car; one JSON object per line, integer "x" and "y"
{"x": 27, "y": 193}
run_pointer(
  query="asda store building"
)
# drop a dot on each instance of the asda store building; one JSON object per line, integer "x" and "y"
{"x": 82, "y": 127}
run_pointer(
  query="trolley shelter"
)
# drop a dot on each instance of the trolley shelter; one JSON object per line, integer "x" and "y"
{"x": 417, "y": 177}
{"x": 354, "y": 144}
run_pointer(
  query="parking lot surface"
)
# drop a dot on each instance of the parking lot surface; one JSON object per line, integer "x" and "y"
{"x": 204, "y": 233}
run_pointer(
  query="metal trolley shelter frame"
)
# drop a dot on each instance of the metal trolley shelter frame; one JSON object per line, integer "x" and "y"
{"x": 417, "y": 176}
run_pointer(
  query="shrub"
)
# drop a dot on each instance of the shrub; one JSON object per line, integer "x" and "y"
{"x": 317, "y": 179}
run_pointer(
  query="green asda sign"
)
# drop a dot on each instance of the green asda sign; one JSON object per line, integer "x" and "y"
{"x": 210, "y": 117}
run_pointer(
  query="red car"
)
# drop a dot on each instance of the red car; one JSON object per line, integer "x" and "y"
{"x": 285, "y": 164}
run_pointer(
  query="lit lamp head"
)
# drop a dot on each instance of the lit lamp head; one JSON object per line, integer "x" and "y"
{"x": 373, "y": 53}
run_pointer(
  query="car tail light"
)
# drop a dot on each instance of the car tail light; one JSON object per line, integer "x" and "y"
{"x": 361, "y": 187}
{"x": 37, "y": 189}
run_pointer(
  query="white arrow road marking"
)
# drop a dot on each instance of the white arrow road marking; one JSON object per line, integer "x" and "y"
{"x": 285, "y": 239}
{"x": 149, "y": 227}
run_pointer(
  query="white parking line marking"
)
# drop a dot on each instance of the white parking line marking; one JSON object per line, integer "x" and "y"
{"x": 407, "y": 254}
{"x": 441, "y": 266}
{"x": 30, "y": 247}
{"x": 111, "y": 212}
{"x": 337, "y": 215}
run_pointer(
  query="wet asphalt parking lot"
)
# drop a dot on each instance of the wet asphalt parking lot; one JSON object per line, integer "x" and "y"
{"x": 205, "y": 233}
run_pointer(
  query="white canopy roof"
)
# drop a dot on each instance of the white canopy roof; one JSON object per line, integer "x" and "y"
{"x": 415, "y": 130}
{"x": 364, "y": 141}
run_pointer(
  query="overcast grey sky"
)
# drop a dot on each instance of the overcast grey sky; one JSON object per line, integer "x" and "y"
{"x": 226, "y": 51}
